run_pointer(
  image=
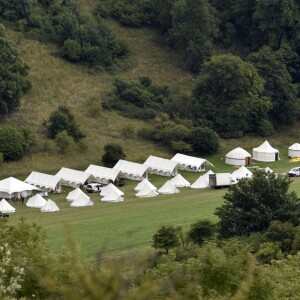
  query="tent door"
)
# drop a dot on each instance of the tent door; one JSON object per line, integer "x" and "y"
{"x": 248, "y": 160}
{"x": 276, "y": 156}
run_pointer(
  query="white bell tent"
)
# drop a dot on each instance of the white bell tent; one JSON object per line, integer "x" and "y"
{"x": 112, "y": 196}
{"x": 238, "y": 157}
{"x": 73, "y": 195}
{"x": 50, "y": 206}
{"x": 168, "y": 188}
{"x": 105, "y": 190}
{"x": 241, "y": 172}
{"x": 6, "y": 208}
{"x": 203, "y": 181}
{"x": 146, "y": 192}
{"x": 82, "y": 201}
{"x": 265, "y": 152}
{"x": 179, "y": 181}
{"x": 294, "y": 150}
{"x": 145, "y": 182}
{"x": 37, "y": 201}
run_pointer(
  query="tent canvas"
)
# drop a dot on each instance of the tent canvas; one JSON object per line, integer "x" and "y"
{"x": 131, "y": 170}
{"x": 161, "y": 166}
{"x": 146, "y": 192}
{"x": 265, "y": 152}
{"x": 6, "y": 208}
{"x": 190, "y": 163}
{"x": 168, "y": 188}
{"x": 294, "y": 150}
{"x": 73, "y": 195}
{"x": 44, "y": 181}
{"x": 82, "y": 201}
{"x": 179, "y": 181}
{"x": 103, "y": 174}
{"x": 36, "y": 201}
{"x": 50, "y": 206}
{"x": 112, "y": 196}
{"x": 237, "y": 157}
{"x": 268, "y": 170}
{"x": 241, "y": 172}
{"x": 200, "y": 183}
{"x": 144, "y": 182}
{"x": 106, "y": 190}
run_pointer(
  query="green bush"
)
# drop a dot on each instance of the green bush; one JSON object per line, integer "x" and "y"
{"x": 200, "y": 231}
{"x": 63, "y": 141}
{"x": 112, "y": 154}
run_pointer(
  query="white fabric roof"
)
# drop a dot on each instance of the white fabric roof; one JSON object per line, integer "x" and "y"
{"x": 238, "y": 153}
{"x": 50, "y": 206}
{"x": 295, "y": 146}
{"x": 112, "y": 196}
{"x": 6, "y": 208}
{"x": 144, "y": 182}
{"x": 146, "y": 192}
{"x": 131, "y": 168}
{"x": 82, "y": 201}
{"x": 12, "y": 185}
{"x": 203, "y": 181}
{"x": 36, "y": 201}
{"x": 268, "y": 170}
{"x": 168, "y": 188}
{"x": 73, "y": 195}
{"x": 192, "y": 161}
{"x": 266, "y": 148}
{"x": 160, "y": 164}
{"x": 179, "y": 181}
{"x": 73, "y": 177}
{"x": 110, "y": 187}
{"x": 43, "y": 180}
{"x": 242, "y": 172}
{"x": 102, "y": 172}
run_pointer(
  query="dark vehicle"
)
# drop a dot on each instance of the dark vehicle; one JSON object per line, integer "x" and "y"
{"x": 94, "y": 187}
{"x": 120, "y": 182}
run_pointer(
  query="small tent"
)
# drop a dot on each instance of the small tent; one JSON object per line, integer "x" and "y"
{"x": 82, "y": 201}
{"x": 241, "y": 172}
{"x": 6, "y": 208}
{"x": 145, "y": 182}
{"x": 50, "y": 206}
{"x": 110, "y": 187}
{"x": 268, "y": 170}
{"x": 179, "y": 181}
{"x": 36, "y": 201}
{"x": 238, "y": 157}
{"x": 294, "y": 150}
{"x": 131, "y": 170}
{"x": 103, "y": 174}
{"x": 146, "y": 192}
{"x": 203, "y": 181}
{"x": 161, "y": 166}
{"x": 265, "y": 152}
{"x": 73, "y": 195}
{"x": 190, "y": 163}
{"x": 168, "y": 188}
{"x": 45, "y": 182}
{"x": 112, "y": 196}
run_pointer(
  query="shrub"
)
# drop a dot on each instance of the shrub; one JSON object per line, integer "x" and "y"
{"x": 265, "y": 128}
{"x": 63, "y": 141}
{"x": 71, "y": 50}
{"x": 200, "y": 231}
{"x": 127, "y": 131}
{"x": 113, "y": 153}
{"x": 165, "y": 238}
{"x": 182, "y": 147}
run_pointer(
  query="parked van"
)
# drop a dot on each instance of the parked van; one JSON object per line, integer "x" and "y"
{"x": 294, "y": 172}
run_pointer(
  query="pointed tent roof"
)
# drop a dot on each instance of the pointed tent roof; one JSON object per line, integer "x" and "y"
{"x": 168, "y": 188}
{"x": 179, "y": 181}
{"x": 102, "y": 172}
{"x": 242, "y": 172}
{"x": 238, "y": 153}
{"x": 82, "y": 201}
{"x": 112, "y": 196}
{"x": 110, "y": 187}
{"x": 73, "y": 177}
{"x": 187, "y": 160}
{"x": 144, "y": 182}
{"x": 43, "y": 180}
{"x": 50, "y": 206}
{"x": 295, "y": 146}
{"x": 130, "y": 168}
{"x": 36, "y": 201}
{"x": 203, "y": 181}
{"x": 6, "y": 208}
{"x": 160, "y": 164}
{"x": 266, "y": 148}
{"x": 12, "y": 185}
{"x": 73, "y": 195}
{"x": 268, "y": 170}
{"x": 146, "y": 192}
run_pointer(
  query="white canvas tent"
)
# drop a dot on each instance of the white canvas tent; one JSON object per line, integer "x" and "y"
{"x": 294, "y": 150}
{"x": 50, "y": 206}
{"x": 203, "y": 181}
{"x": 179, "y": 181}
{"x": 268, "y": 170}
{"x": 36, "y": 201}
{"x": 112, "y": 196}
{"x": 265, "y": 152}
{"x": 161, "y": 166}
{"x": 103, "y": 174}
{"x": 110, "y": 187}
{"x": 145, "y": 182}
{"x": 74, "y": 178}
{"x": 190, "y": 163}
{"x": 6, "y": 208}
{"x": 238, "y": 157}
{"x": 241, "y": 172}
{"x": 168, "y": 188}
{"x": 82, "y": 201}
{"x": 146, "y": 192}
{"x": 45, "y": 182}
{"x": 73, "y": 195}
{"x": 131, "y": 170}
{"x": 14, "y": 188}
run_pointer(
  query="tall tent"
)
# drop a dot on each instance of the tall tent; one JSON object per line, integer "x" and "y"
{"x": 131, "y": 170}
{"x": 74, "y": 178}
{"x": 112, "y": 196}
{"x": 190, "y": 163}
{"x": 103, "y": 174}
{"x": 6, "y": 208}
{"x": 145, "y": 182}
{"x": 294, "y": 150}
{"x": 161, "y": 166}
{"x": 73, "y": 195}
{"x": 50, "y": 206}
{"x": 82, "y": 201}
{"x": 241, "y": 172}
{"x": 146, "y": 192}
{"x": 168, "y": 188}
{"x": 110, "y": 187}
{"x": 238, "y": 157}
{"x": 15, "y": 188}
{"x": 36, "y": 201}
{"x": 45, "y": 182}
{"x": 265, "y": 152}
{"x": 179, "y": 181}
{"x": 203, "y": 181}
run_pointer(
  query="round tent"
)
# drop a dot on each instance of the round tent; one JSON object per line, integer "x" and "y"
{"x": 294, "y": 150}
{"x": 265, "y": 152}
{"x": 6, "y": 208}
{"x": 238, "y": 157}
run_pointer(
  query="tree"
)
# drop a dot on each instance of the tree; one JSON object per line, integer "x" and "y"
{"x": 165, "y": 238}
{"x": 13, "y": 72}
{"x": 229, "y": 96}
{"x": 63, "y": 141}
{"x": 200, "y": 231}
{"x": 113, "y": 153}
{"x": 252, "y": 204}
